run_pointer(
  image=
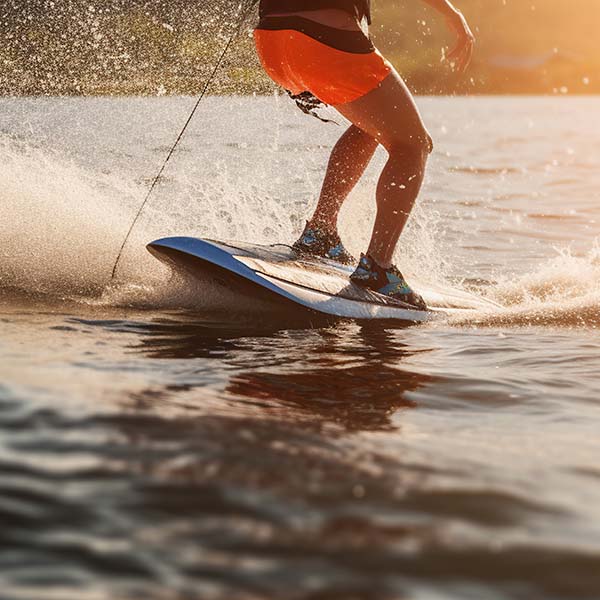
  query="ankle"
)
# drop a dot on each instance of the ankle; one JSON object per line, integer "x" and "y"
{"x": 379, "y": 261}
{"x": 325, "y": 227}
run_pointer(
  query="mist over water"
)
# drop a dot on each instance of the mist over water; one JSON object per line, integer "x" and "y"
{"x": 161, "y": 439}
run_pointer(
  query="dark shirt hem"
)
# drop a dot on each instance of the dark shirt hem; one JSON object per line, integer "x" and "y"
{"x": 354, "y": 42}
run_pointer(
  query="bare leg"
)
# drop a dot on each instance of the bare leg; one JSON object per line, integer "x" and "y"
{"x": 397, "y": 190}
{"x": 389, "y": 115}
{"x": 348, "y": 162}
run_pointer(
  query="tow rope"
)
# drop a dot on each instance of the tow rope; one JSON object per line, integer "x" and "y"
{"x": 239, "y": 20}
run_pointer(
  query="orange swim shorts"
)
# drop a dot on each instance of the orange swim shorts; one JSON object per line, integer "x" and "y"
{"x": 301, "y": 62}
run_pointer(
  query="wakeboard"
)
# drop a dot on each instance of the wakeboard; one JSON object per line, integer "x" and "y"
{"x": 315, "y": 284}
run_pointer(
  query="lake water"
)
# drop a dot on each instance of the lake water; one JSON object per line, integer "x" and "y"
{"x": 160, "y": 440}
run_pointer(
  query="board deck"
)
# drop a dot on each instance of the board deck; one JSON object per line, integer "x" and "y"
{"x": 315, "y": 284}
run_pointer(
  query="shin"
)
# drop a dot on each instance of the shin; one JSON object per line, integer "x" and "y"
{"x": 348, "y": 161}
{"x": 397, "y": 190}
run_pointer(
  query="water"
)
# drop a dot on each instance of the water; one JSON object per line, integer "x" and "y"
{"x": 157, "y": 443}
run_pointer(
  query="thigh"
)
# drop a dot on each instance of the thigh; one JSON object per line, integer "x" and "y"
{"x": 389, "y": 114}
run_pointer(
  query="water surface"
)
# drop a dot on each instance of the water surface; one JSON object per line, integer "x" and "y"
{"x": 160, "y": 440}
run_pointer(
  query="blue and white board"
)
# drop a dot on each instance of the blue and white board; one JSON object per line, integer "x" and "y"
{"x": 318, "y": 285}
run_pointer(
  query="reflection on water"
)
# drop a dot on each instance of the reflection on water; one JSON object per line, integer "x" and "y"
{"x": 360, "y": 398}
{"x": 229, "y": 462}
{"x": 327, "y": 379}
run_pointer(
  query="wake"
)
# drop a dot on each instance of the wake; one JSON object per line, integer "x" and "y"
{"x": 562, "y": 292}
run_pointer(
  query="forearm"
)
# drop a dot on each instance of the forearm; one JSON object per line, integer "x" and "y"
{"x": 445, "y": 7}
{"x": 459, "y": 56}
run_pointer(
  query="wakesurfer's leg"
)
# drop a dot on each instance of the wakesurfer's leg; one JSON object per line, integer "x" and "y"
{"x": 397, "y": 190}
{"x": 390, "y": 116}
{"x": 347, "y": 163}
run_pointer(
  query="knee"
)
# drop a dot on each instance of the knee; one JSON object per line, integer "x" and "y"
{"x": 418, "y": 146}
{"x": 429, "y": 143}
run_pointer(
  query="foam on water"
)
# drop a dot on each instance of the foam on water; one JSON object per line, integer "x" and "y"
{"x": 565, "y": 277}
{"x": 564, "y": 291}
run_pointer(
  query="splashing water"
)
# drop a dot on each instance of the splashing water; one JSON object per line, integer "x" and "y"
{"x": 68, "y": 204}
{"x": 564, "y": 291}
{"x": 58, "y": 231}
